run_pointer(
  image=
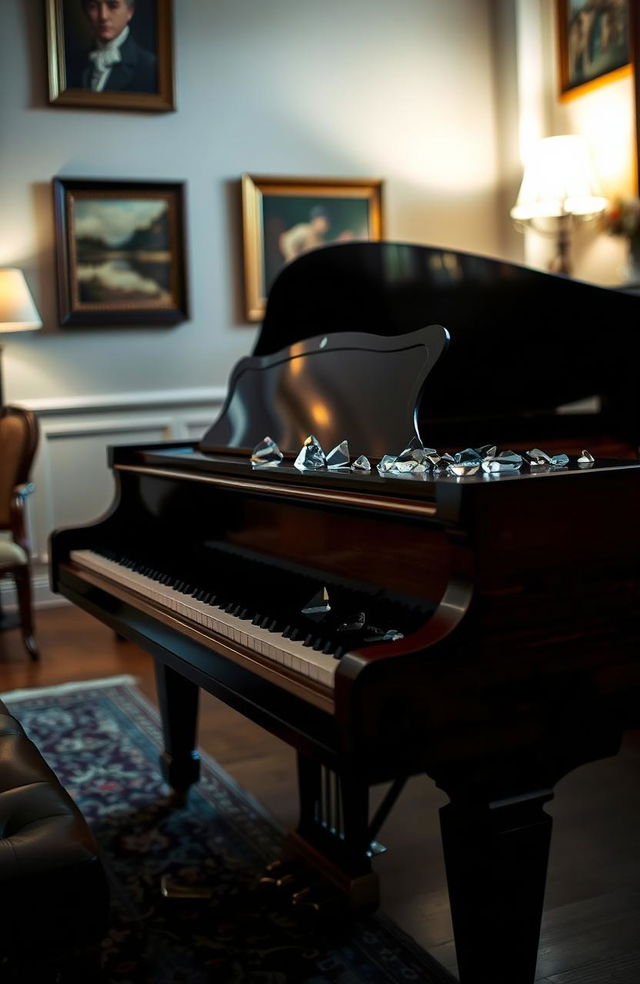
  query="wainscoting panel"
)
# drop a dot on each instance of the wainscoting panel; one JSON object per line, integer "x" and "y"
{"x": 74, "y": 485}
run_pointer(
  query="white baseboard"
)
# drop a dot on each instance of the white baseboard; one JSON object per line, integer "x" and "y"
{"x": 43, "y": 596}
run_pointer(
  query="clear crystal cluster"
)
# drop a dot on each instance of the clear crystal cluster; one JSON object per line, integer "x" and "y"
{"x": 487, "y": 459}
{"x": 311, "y": 457}
{"x": 416, "y": 460}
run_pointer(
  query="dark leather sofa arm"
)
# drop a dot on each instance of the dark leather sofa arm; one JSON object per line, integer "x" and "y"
{"x": 54, "y": 890}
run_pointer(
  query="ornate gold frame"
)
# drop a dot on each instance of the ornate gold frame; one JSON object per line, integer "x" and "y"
{"x": 254, "y": 188}
{"x": 60, "y": 95}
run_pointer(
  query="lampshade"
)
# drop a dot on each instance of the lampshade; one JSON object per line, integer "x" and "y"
{"x": 17, "y": 310}
{"x": 558, "y": 180}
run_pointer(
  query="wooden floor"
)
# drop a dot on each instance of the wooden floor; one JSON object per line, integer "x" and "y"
{"x": 591, "y": 927}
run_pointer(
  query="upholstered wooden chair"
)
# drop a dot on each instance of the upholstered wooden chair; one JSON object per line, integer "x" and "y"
{"x": 19, "y": 434}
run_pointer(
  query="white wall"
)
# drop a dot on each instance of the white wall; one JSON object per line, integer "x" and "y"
{"x": 400, "y": 90}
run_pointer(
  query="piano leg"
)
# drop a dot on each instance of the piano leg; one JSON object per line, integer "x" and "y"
{"x": 496, "y": 860}
{"x": 178, "y": 700}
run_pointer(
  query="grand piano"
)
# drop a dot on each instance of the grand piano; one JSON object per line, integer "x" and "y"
{"x": 480, "y": 626}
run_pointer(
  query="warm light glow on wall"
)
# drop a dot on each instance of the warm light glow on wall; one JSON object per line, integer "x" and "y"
{"x": 605, "y": 117}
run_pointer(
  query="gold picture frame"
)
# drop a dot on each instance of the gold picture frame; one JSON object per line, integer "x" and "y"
{"x": 142, "y": 79}
{"x": 594, "y": 45}
{"x": 283, "y": 217}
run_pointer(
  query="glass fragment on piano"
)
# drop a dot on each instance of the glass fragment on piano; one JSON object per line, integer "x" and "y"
{"x": 266, "y": 454}
{"x": 311, "y": 457}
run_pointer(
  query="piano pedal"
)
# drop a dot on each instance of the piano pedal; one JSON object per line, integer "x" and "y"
{"x": 177, "y": 889}
{"x": 280, "y": 875}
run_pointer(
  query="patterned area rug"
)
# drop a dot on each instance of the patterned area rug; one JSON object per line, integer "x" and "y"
{"x": 102, "y": 739}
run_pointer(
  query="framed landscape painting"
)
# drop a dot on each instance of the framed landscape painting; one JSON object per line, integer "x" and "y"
{"x": 110, "y": 54}
{"x": 120, "y": 252}
{"x": 593, "y": 43}
{"x": 282, "y": 218}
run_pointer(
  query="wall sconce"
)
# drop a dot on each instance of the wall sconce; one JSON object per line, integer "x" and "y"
{"x": 558, "y": 186}
{"x": 17, "y": 310}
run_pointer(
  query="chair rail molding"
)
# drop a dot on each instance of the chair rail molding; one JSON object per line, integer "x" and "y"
{"x": 73, "y": 482}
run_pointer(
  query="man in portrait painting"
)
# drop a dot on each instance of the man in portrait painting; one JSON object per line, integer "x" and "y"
{"x": 116, "y": 62}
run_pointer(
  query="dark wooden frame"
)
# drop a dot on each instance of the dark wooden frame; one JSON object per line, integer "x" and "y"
{"x": 61, "y": 95}
{"x": 567, "y": 88}
{"x": 255, "y": 187}
{"x": 71, "y": 311}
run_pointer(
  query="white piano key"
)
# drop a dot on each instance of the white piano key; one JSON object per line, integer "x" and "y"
{"x": 270, "y": 645}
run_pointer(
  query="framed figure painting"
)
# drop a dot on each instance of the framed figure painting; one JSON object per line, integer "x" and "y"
{"x": 111, "y": 54}
{"x": 120, "y": 252}
{"x": 284, "y": 217}
{"x": 593, "y": 43}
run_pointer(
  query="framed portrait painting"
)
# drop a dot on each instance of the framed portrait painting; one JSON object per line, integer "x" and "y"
{"x": 285, "y": 217}
{"x": 593, "y": 43}
{"x": 111, "y": 54}
{"x": 120, "y": 252}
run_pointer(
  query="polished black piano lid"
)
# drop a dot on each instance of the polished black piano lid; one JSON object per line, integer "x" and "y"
{"x": 349, "y": 385}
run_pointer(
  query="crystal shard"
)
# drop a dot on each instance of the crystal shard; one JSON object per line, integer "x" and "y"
{"x": 586, "y": 459}
{"x": 339, "y": 456}
{"x": 406, "y": 468}
{"x": 462, "y": 469}
{"x": 538, "y": 458}
{"x": 415, "y": 452}
{"x": 361, "y": 464}
{"x": 468, "y": 456}
{"x": 486, "y": 450}
{"x": 311, "y": 456}
{"x": 266, "y": 454}
{"x": 318, "y": 606}
{"x": 386, "y": 462}
{"x": 503, "y": 463}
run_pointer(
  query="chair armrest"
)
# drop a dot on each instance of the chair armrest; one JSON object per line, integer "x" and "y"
{"x": 23, "y": 490}
{"x": 16, "y": 514}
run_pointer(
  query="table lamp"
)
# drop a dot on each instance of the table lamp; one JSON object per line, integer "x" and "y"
{"x": 17, "y": 310}
{"x": 558, "y": 184}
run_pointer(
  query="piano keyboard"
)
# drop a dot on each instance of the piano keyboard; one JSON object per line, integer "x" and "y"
{"x": 186, "y": 602}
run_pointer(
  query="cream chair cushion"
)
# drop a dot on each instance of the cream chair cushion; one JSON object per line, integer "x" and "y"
{"x": 11, "y": 554}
